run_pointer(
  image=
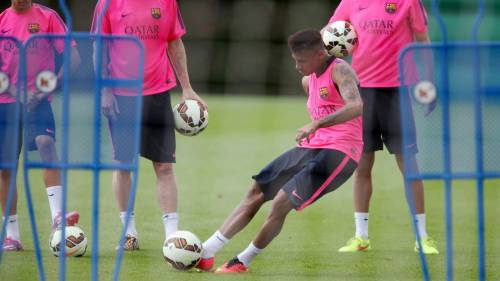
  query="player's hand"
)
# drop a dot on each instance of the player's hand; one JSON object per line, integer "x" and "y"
{"x": 430, "y": 107}
{"x": 190, "y": 94}
{"x": 13, "y": 90}
{"x": 305, "y": 132}
{"x": 33, "y": 100}
{"x": 109, "y": 105}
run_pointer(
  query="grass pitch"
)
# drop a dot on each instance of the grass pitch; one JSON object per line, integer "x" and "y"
{"x": 213, "y": 172}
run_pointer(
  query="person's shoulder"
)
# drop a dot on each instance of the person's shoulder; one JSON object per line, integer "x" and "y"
{"x": 343, "y": 69}
{"x": 5, "y": 13}
{"x": 44, "y": 10}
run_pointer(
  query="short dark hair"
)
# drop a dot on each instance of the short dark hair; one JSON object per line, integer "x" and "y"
{"x": 306, "y": 39}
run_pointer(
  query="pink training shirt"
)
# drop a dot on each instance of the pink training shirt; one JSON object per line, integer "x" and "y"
{"x": 324, "y": 99}
{"x": 383, "y": 27}
{"x": 155, "y": 23}
{"x": 40, "y": 55}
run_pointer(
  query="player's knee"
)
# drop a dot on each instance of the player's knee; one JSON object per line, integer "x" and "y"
{"x": 163, "y": 169}
{"x": 281, "y": 206}
{"x": 363, "y": 173}
{"x": 254, "y": 198}
{"x": 44, "y": 142}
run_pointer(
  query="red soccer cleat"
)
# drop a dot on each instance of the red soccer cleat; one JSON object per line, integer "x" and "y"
{"x": 206, "y": 264}
{"x": 11, "y": 245}
{"x": 232, "y": 266}
{"x": 71, "y": 219}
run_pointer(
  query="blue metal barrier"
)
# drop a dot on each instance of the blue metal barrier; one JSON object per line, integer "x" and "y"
{"x": 442, "y": 130}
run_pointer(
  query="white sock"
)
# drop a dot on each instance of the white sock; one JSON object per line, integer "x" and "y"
{"x": 420, "y": 218}
{"x": 54, "y": 193}
{"x": 170, "y": 222}
{"x": 213, "y": 245}
{"x": 361, "y": 221}
{"x": 131, "y": 230}
{"x": 12, "y": 227}
{"x": 249, "y": 254}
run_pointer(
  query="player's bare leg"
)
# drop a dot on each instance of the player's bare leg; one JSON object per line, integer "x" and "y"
{"x": 12, "y": 239}
{"x": 52, "y": 178}
{"x": 417, "y": 186}
{"x": 5, "y": 177}
{"x": 166, "y": 192}
{"x": 362, "y": 192}
{"x": 166, "y": 187}
{"x": 121, "y": 187}
{"x": 429, "y": 246}
{"x": 244, "y": 213}
{"x": 280, "y": 208}
{"x": 363, "y": 183}
{"x": 235, "y": 222}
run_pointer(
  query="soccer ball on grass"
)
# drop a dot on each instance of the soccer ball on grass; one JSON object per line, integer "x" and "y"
{"x": 182, "y": 250}
{"x": 76, "y": 242}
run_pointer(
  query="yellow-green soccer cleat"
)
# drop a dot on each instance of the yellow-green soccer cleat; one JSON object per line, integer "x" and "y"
{"x": 429, "y": 246}
{"x": 356, "y": 244}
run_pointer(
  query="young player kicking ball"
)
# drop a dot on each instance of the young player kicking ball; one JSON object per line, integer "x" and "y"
{"x": 326, "y": 155}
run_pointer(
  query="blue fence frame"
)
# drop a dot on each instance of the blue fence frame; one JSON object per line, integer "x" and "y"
{"x": 96, "y": 166}
{"x": 480, "y": 175}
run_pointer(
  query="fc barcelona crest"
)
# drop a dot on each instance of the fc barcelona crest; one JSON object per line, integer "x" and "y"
{"x": 156, "y": 13}
{"x": 323, "y": 92}
{"x": 391, "y": 7}
{"x": 33, "y": 28}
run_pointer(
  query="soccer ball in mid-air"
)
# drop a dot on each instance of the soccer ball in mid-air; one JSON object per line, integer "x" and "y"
{"x": 76, "y": 242}
{"x": 339, "y": 38}
{"x": 182, "y": 250}
{"x": 190, "y": 117}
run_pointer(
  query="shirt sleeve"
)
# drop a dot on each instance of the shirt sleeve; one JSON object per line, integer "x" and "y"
{"x": 105, "y": 23}
{"x": 57, "y": 26}
{"x": 418, "y": 16}
{"x": 177, "y": 29}
{"x": 342, "y": 12}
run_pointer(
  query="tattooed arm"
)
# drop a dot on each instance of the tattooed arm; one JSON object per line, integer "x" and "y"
{"x": 346, "y": 79}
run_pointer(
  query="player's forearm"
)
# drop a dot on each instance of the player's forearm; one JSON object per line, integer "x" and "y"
{"x": 74, "y": 65}
{"x": 426, "y": 54}
{"x": 104, "y": 58}
{"x": 177, "y": 55}
{"x": 346, "y": 113}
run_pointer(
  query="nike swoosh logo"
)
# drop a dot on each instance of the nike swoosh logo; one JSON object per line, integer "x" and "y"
{"x": 125, "y": 14}
{"x": 294, "y": 193}
{"x": 361, "y": 248}
{"x": 49, "y": 131}
{"x": 362, "y": 8}
{"x": 50, "y": 195}
{"x": 6, "y": 30}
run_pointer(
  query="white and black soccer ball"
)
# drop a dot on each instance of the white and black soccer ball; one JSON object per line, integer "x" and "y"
{"x": 76, "y": 242}
{"x": 190, "y": 117}
{"x": 339, "y": 38}
{"x": 182, "y": 250}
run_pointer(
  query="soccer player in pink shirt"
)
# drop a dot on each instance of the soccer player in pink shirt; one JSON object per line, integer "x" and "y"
{"x": 158, "y": 25}
{"x": 383, "y": 28}
{"x": 327, "y": 152}
{"x": 22, "y": 20}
